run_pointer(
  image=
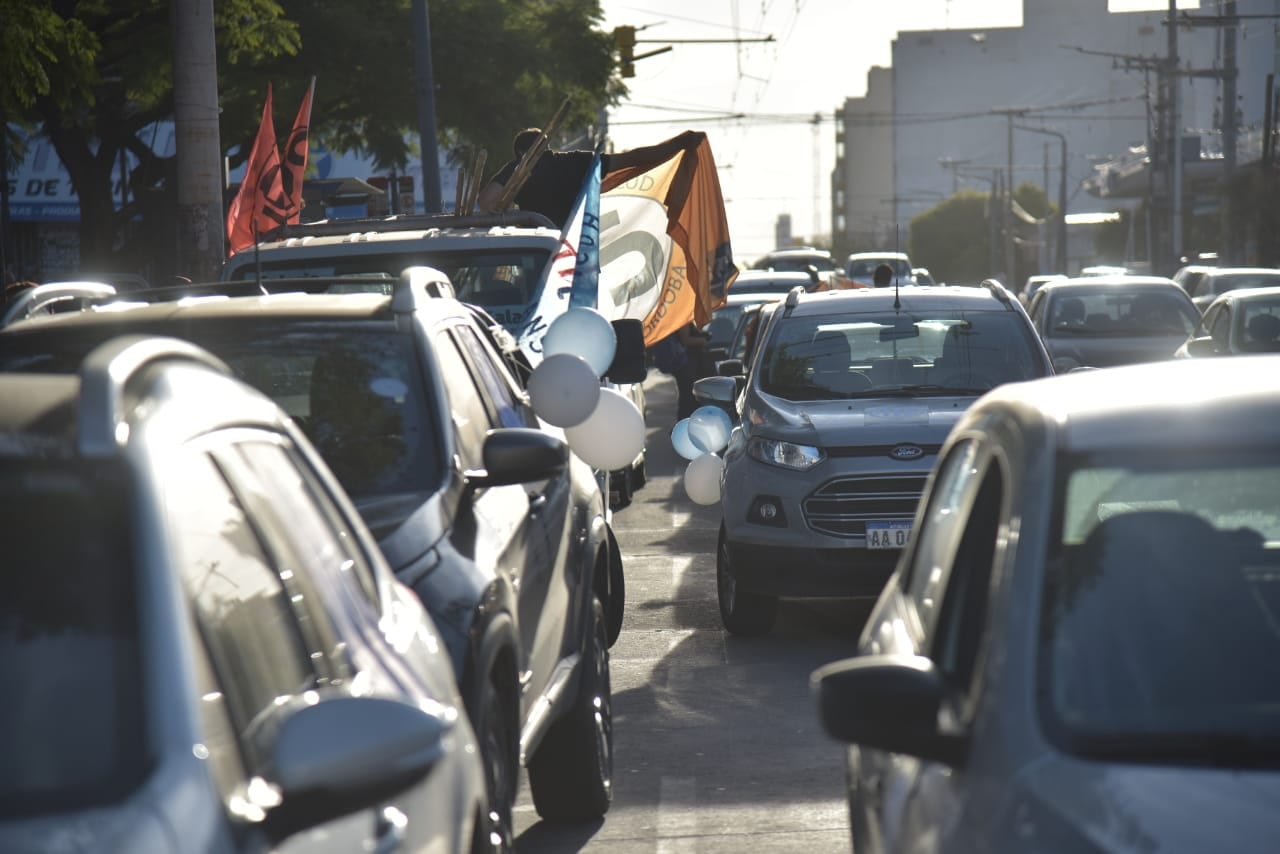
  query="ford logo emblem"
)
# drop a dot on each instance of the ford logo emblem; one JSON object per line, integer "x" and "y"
{"x": 906, "y": 452}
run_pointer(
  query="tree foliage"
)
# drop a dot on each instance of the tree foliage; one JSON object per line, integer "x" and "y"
{"x": 953, "y": 238}
{"x": 91, "y": 74}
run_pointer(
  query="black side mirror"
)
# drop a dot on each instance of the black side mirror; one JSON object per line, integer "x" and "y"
{"x": 730, "y": 368}
{"x": 628, "y": 365}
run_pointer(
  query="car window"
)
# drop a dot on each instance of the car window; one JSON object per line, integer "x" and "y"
{"x": 1220, "y": 329}
{"x": 72, "y": 725}
{"x": 1258, "y": 326}
{"x": 962, "y": 620}
{"x": 938, "y": 538}
{"x": 239, "y": 601}
{"x": 500, "y": 388}
{"x": 1113, "y": 310}
{"x": 467, "y": 408}
{"x": 849, "y": 355}
{"x": 318, "y": 531}
{"x": 1164, "y": 569}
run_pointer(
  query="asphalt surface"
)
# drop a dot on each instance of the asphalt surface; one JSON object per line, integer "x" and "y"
{"x": 717, "y": 745}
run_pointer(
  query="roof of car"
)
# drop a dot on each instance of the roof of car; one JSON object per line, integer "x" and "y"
{"x": 912, "y": 297}
{"x": 1247, "y": 294}
{"x": 1096, "y": 282}
{"x": 1220, "y": 272}
{"x": 1184, "y": 403}
{"x": 748, "y": 297}
{"x": 902, "y": 256}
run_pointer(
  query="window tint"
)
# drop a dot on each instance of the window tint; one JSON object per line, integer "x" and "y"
{"x": 240, "y": 605}
{"x": 319, "y": 536}
{"x": 71, "y": 721}
{"x": 939, "y": 536}
{"x": 470, "y": 418}
{"x": 851, "y": 355}
{"x": 496, "y": 381}
{"x": 1161, "y": 606}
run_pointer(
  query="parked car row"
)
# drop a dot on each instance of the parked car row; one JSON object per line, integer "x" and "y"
{"x": 401, "y": 412}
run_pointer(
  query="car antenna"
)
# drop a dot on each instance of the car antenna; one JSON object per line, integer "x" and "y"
{"x": 897, "y": 303}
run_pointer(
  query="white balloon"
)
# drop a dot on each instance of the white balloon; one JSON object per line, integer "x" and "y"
{"x": 564, "y": 390}
{"x": 584, "y": 332}
{"x": 702, "y": 479}
{"x": 613, "y": 436}
{"x": 709, "y": 428}
{"x": 683, "y": 444}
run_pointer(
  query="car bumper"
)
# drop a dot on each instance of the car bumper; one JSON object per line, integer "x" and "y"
{"x": 811, "y": 573}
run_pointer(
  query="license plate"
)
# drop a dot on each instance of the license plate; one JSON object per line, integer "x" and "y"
{"x": 887, "y": 535}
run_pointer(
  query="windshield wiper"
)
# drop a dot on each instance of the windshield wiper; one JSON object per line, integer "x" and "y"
{"x": 924, "y": 389}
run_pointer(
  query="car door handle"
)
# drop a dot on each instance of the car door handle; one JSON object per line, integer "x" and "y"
{"x": 389, "y": 831}
{"x": 536, "y": 503}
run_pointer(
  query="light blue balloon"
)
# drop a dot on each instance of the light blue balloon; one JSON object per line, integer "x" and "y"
{"x": 584, "y": 332}
{"x": 709, "y": 429}
{"x": 682, "y": 443}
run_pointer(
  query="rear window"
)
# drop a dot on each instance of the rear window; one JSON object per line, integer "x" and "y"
{"x": 865, "y": 268}
{"x": 504, "y": 282}
{"x": 72, "y": 720}
{"x": 1112, "y": 310}
{"x": 356, "y": 389}
{"x": 865, "y": 355}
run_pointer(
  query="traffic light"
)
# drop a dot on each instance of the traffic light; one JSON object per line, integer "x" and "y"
{"x": 624, "y": 39}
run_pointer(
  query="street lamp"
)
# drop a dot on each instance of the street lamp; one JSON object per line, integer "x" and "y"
{"x": 1061, "y": 260}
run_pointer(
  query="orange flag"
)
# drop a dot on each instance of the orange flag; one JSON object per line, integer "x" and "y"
{"x": 664, "y": 230}
{"x": 295, "y": 158}
{"x": 259, "y": 205}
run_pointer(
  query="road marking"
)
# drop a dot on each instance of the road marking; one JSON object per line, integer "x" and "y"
{"x": 677, "y": 816}
{"x": 680, "y": 518}
{"x": 679, "y": 566}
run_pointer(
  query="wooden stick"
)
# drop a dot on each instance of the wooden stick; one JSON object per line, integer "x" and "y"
{"x": 525, "y": 167}
{"x": 477, "y": 178}
{"x": 460, "y": 194}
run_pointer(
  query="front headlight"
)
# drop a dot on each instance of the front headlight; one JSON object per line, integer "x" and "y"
{"x": 785, "y": 454}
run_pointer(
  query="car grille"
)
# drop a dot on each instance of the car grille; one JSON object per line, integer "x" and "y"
{"x": 843, "y": 507}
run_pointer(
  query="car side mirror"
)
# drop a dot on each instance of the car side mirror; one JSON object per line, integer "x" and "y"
{"x": 628, "y": 365}
{"x": 887, "y": 702}
{"x": 519, "y": 455}
{"x": 718, "y": 391}
{"x": 344, "y": 754}
{"x": 1202, "y": 346}
{"x": 730, "y": 368}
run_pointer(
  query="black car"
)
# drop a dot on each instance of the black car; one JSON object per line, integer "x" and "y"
{"x": 500, "y": 530}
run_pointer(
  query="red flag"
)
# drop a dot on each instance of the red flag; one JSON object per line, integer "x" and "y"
{"x": 295, "y": 157}
{"x": 259, "y": 205}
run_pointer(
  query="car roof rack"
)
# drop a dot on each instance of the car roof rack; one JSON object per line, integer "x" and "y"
{"x": 105, "y": 373}
{"x": 998, "y": 291}
{"x": 410, "y": 222}
{"x": 417, "y": 283}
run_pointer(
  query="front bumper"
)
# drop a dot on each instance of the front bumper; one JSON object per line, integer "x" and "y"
{"x": 811, "y": 573}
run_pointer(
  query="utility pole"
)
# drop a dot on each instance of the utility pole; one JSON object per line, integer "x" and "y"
{"x": 1229, "y": 128}
{"x": 1175, "y": 148}
{"x": 1060, "y": 256}
{"x": 201, "y": 221}
{"x": 424, "y": 80}
{"x": 1007, "y": 212}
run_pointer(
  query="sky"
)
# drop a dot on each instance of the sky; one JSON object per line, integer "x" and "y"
{"x": 757, "y": 100}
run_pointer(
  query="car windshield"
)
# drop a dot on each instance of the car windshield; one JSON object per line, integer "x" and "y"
{"x": 874, "y": 354}
{"x": 504, "y": 282}
{"x": 355, "y": 388}
{"x": 795, "y": 263}
{"x": 1112, "y": 310}
{"x": 865, "y": 268}
{"x": 1160, "y": 633}
{"x": 72, "y": 729}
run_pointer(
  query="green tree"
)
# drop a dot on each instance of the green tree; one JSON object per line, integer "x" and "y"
{"x": 953, "y": 238}
{"x": 92, "y": 74}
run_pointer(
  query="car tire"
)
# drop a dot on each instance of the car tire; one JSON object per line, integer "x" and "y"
{"x": 617, "y": 598}
{"x": 743, "y": 613}
{"x": 639, "y": 475}
{"x": 495, "y": 721}
{"x": 571, "y": 773}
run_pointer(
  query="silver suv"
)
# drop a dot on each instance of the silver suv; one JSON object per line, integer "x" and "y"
{"x": 202, "y": 648}
{"x": 846, "y": 400}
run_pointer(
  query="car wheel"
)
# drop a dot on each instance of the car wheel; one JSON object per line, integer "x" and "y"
{"x": 620, "y": 489}
{"x": 639, "y": 475}
{"x": 571, "y": 773}
{"x": 743, "y": 613}
{"x": 617, "y": 592}
{"x": 497, "y": 732}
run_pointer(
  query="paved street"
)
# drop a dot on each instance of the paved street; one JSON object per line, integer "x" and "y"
{"x": 717, "y": 744}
